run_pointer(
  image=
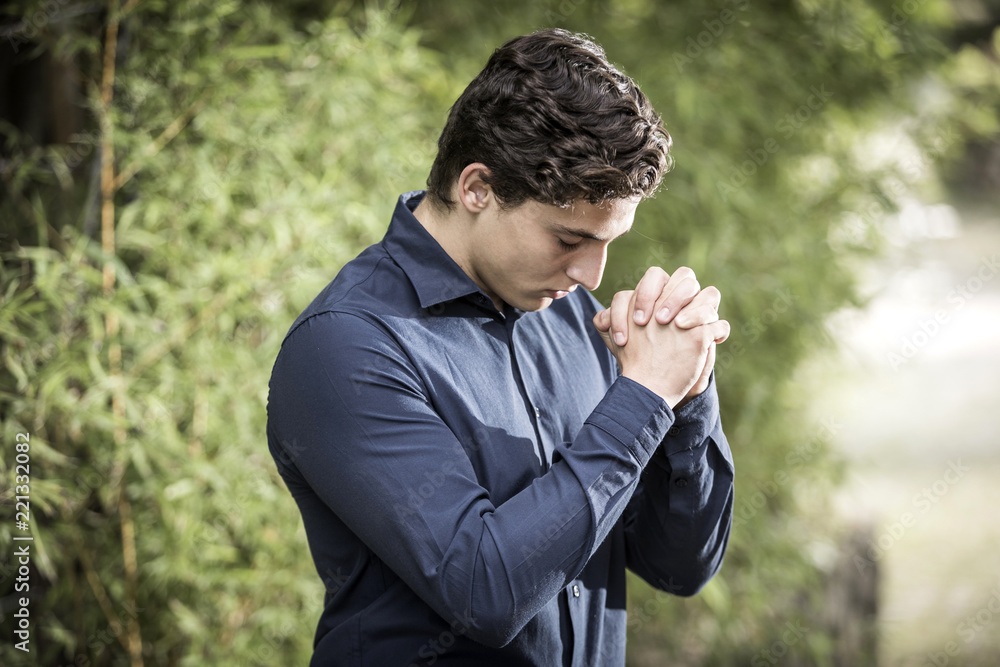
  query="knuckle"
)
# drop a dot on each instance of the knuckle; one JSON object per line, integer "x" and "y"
{"x": 619, "y": 301}
{"x": 684, "y": 272}
{"x": 689, "y": 287}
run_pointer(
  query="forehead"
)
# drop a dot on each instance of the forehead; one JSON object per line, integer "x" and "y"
{"x": 602, "y": 222}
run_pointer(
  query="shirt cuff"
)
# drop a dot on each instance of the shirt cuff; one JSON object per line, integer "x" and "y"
{"x": 634, "y": 416}
{"x": 694, "y": 421}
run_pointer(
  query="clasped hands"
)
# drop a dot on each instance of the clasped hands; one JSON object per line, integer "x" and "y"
{"x": 663, "y": 333}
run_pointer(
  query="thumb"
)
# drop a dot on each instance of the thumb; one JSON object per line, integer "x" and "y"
{"x": 602, "y": 320}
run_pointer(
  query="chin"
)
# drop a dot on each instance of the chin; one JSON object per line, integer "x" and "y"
{"x": 532, "y": 305}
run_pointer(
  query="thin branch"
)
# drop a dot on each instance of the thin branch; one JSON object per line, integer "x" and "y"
{"x": 107, "y": 151}
{"x": 160, "y": 142}
{"x": 100, "y": 593}
{"x": 111, "y": 324}
{"x": 157, "y": 352}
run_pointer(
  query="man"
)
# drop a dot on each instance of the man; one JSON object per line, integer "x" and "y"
{"x": 479, "y": 450}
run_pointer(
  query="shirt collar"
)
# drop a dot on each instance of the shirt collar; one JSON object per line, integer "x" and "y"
{"x": 434, "y": 274}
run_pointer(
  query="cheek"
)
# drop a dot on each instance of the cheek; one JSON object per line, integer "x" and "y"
{"x": 544, "y": 262}
{"x": 531, "y": 258}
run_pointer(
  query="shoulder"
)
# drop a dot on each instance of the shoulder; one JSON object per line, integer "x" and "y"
{"x": 368, "y": 287}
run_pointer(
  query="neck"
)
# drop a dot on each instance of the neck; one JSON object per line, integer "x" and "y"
{"x": 452, "y": 229}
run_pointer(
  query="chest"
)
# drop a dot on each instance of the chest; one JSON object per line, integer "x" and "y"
{"x": 513, "y": 392}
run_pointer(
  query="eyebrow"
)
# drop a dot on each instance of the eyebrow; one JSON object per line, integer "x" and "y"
{"x": 584, "y": 233}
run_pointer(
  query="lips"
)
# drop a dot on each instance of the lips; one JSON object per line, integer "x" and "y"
{"x": 560, "y": 293}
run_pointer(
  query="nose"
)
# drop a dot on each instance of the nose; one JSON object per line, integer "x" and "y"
{"x": 587, "y": 267}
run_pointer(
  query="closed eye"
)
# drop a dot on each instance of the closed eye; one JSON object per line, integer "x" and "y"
{"x": 567, "y": 246}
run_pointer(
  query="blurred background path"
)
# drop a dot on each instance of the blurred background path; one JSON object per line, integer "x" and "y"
{"x": 918, "y": 396}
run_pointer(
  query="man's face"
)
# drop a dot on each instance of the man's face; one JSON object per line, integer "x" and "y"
{"x": 532, "y": 254}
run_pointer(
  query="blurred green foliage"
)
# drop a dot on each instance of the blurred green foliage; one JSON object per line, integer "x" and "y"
{"x": 299, "y": 125}
{"x": 223, "y": 236}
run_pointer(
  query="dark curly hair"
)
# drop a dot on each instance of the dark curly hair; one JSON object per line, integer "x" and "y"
{"x": 555, "y": 122}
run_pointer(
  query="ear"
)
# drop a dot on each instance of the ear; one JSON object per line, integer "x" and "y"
{"x": 474, "y": 193}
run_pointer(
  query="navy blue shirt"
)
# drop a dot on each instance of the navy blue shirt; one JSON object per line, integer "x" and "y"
{"x": 473, "y": 482}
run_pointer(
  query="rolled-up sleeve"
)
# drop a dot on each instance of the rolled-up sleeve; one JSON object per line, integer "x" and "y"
{"x": 353, "y": 420}
{"x": 678, "y": 523}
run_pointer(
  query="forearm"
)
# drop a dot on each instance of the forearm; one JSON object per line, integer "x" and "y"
{"x": 356, "y": 425}
{"x": 513, "y": 559}
{"x": 678, "y": 523}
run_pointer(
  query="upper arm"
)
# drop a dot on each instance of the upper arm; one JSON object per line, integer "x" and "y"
{"x": 352, "y": 416}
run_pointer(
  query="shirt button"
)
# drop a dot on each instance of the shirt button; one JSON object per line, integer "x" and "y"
{"x": 673, "y": 430}
{"x": 681, "y": 482}
{"x": 538, "y": 413}
{"x": 576, "y": 591}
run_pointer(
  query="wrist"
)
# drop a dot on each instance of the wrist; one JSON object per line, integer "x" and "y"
{"x": 670, "y": 396}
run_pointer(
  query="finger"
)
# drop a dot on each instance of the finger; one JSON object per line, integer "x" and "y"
{"x": 697, "y": 311}
{"x": 710, "y": 363}
{"x": 711, "y": 295}
{"x": 719, "y": 330}
{"x": 648, "y": 290}
{"x": 694, "y": 315}
{"x": 682, "y": 287}
{"x": 619, "y": 316}
{"x": 702, "y": 383}
{"x": 706, "y": 373}
{"x": 602, "y": 320}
